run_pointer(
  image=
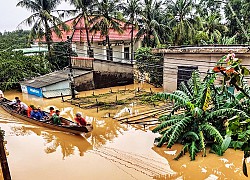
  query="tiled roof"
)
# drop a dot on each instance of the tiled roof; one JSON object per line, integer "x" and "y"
{"x": 80, "y": 34}
{"x": 52, "y": 78}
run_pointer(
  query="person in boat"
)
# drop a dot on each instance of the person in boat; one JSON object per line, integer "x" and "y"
{"x": 51, "y": 111}
{"x": 13, "y": 103}
{"x": 35, "y": 114}
{"x": 1, "y": 94}
{"x": 43, "y": 114}
{"x": 56, "y": 119}
{"x": 22, "y": 108}
{"x": 80, "y": 120}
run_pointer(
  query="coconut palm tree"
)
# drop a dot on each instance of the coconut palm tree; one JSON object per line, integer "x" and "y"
{"x": 83, "y": 8}
{"x": 182, "y": 20}
{"x": 151, "y": 23}
{"x": 213, "y": 27}
{"x": 42, "y": 19}
{"x": 106, "y": 17}
{"x": 131, "y": 11}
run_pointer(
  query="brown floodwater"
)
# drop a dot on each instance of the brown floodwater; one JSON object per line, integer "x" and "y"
{"x": 111, "y": 151}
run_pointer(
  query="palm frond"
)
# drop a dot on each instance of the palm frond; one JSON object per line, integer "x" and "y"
{"x": 202, "y": 143}
{"x": 229, "y": 112}
{"x": 177, "y": 130}
{"x": 185, "y": 89}
{"x": 182, "y": 152}
{"x": 164, "y": 125}
{"x": 212, "y": 131}
{"x": 193, "y": 150}
{"x": 178, "y": 99}
{"x": 192, "y": 135}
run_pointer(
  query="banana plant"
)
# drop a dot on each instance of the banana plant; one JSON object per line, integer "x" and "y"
{"x": 199, "y": 120}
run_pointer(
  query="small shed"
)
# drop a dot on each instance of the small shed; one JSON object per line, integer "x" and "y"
{"x": 53, "y": 84}
{"x": 180, "y": 62}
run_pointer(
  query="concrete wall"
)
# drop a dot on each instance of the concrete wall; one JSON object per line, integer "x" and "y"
{"x": 85, "y": 82}
{"x": 203, "y": 59}
{"x": 109, "y": 66}
{"x": 108, "y": 73}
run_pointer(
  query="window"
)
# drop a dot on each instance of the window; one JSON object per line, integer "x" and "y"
{"x": 126, "y": 53}
{"x": 184, "y": 73}
{"x": 110, "y": 54}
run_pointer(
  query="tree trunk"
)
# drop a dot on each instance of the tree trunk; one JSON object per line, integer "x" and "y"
{"x": 48, "y": 40}
{"x": 86, "y": 23}
{"x": 109, "y": 48}
{"x": 132, "y": 44}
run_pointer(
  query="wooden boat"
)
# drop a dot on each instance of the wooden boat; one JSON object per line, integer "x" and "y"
{"x": 69, "y": 126}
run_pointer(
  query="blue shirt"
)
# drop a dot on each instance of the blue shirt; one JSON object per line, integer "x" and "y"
{"x": 36, "y": 115}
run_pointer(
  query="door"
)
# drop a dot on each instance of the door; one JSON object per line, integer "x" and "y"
{"x": 185, "y": 73}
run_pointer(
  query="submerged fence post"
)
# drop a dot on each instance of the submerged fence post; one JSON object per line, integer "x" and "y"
{"x": 62, "y": 97}
{"x": 4, "y": 162}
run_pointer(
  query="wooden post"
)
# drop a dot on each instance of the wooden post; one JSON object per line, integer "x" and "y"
{"x": 116, "y": 98}
{"x": 4, "y": 162}
{"x": 62, "y": 97}
{"x": 111, "y": 90}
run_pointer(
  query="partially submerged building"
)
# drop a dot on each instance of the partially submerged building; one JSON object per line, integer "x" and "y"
{"x": 180, "y": 62}
{"x": 88, "y": 73}
{"x": 54, "y": 84}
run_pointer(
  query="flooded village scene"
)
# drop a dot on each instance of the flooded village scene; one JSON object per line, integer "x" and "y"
{"x": 123, "y": 90}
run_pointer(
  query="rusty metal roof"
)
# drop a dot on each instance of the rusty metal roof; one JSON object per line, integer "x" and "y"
{"x": 53, "y": 78}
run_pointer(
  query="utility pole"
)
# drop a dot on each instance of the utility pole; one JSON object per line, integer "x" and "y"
{"x": 71, "y": 76}
{"x": 4, "y": 162}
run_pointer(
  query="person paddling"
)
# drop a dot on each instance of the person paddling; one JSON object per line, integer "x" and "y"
{"x": 80, "y": 120}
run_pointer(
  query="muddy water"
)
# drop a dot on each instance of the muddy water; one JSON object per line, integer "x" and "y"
{"x": 111, "y": 151}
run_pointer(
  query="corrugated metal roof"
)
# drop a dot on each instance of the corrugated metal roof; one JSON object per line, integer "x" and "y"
{"x": 52, "y": 78}
{"x": 57, "y": 93}
{"x": 32, "y": 50}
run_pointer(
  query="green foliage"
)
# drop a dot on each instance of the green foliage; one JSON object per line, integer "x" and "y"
{"x": 148, "y": 63}
{"x": 199, "y": 122}
{"x": 14, "y": 40}
{"x": 60, "y": 55}
{"x": 16, "y": 67}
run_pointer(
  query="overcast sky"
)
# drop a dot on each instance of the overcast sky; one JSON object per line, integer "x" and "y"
{"x": 11, "y": 16}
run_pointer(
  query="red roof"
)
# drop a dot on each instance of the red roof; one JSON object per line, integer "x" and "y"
{"x": 80, "y": 33}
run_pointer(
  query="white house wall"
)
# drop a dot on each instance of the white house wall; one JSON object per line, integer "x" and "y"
{"x": 60, "y": 85}
{"x": 100, "y": 51}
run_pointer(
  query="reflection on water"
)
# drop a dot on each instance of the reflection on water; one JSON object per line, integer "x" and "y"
{"x": 53, "y": 140}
